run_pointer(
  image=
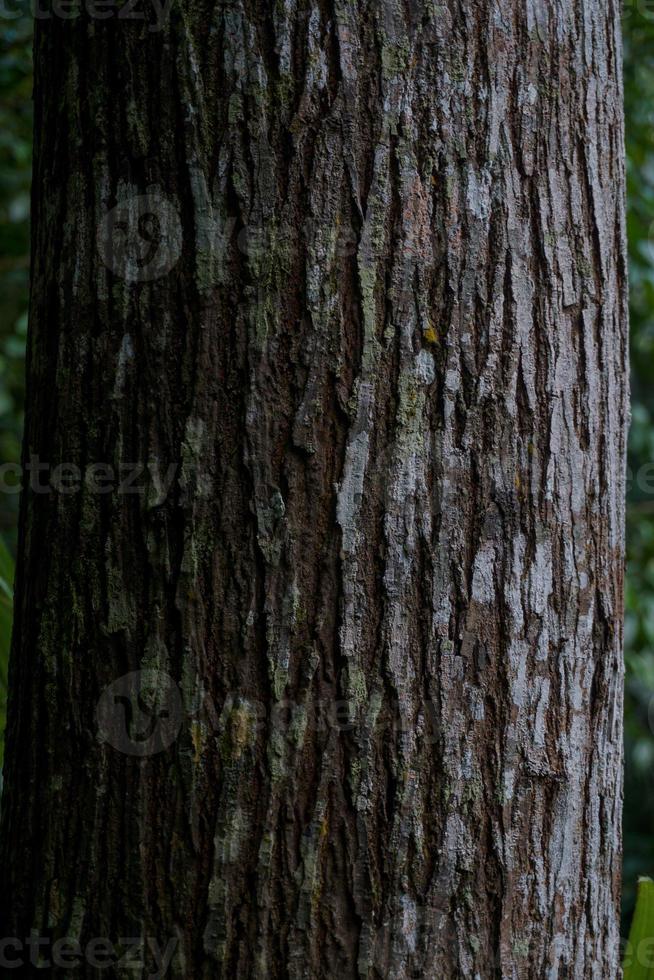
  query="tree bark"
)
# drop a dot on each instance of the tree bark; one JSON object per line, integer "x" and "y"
{"x": 340, "y": 288}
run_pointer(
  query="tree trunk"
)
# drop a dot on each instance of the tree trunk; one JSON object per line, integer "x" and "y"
{"x": 317, "y": 657}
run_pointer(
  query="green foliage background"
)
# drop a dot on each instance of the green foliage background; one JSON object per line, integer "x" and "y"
{"x": 639, "y": 626}
{"x": 15, "y": 150}
{"x": 15, "y": 159}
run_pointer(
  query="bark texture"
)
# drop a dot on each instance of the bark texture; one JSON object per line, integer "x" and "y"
{"x": 389, "y": 365}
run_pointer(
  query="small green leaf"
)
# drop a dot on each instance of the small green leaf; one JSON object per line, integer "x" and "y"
{"x": 639, "y": 955}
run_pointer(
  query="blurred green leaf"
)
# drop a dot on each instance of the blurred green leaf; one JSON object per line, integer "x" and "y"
{"x": 640, "y": 949}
